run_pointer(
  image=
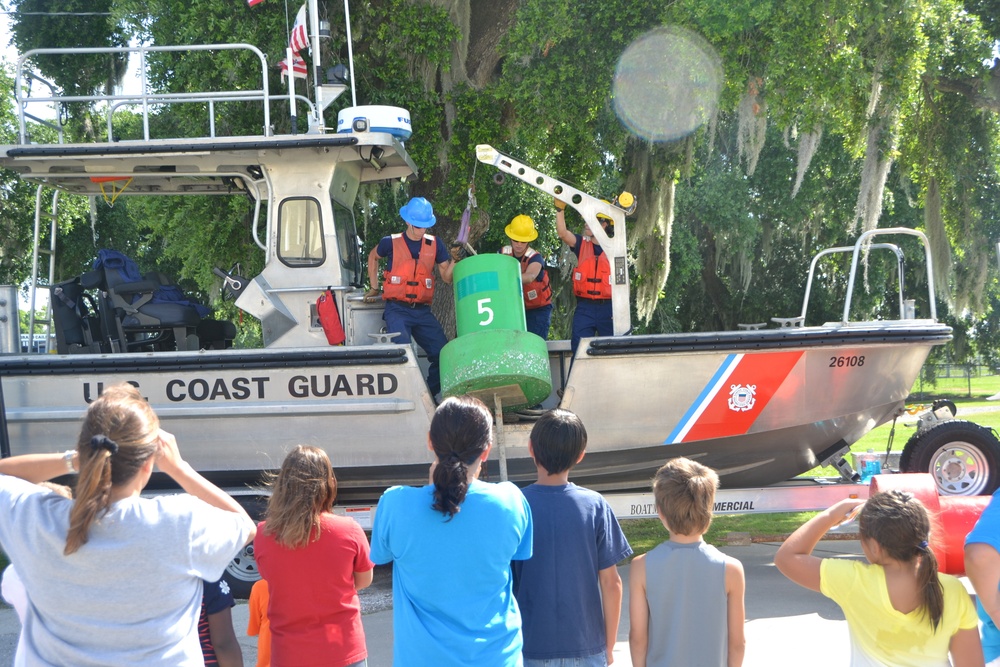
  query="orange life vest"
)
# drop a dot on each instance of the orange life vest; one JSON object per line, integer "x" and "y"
{"x": 537, "y": 293}
{"x": 592, "y": 275}
{"x": 410, "y": 280}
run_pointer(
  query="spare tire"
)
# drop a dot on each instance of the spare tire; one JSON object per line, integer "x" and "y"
{"x": 963, "y": 458}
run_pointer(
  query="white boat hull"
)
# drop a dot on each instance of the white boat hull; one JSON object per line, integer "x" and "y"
{"x": 759, "y": 406}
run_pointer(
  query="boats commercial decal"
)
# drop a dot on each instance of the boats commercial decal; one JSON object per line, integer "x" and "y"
{"x": 734, "y": 396}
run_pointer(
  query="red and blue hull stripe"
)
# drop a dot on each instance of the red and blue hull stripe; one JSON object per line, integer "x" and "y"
{"x": 734, "y": 396}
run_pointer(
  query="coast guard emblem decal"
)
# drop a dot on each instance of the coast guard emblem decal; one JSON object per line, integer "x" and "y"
{"x": 741, "y": 397}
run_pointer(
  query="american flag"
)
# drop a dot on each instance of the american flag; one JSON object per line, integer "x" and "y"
{"x": 300, "y": 37}
{"x": 299, "y": 69}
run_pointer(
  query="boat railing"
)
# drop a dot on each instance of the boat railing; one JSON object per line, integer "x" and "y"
{"x": 800, "y": 320}
{"x": 863, "y": 242}
{"x": 57, "y": 126}
{"x": 145, "y": 98}
{"x": 211, "y": 101}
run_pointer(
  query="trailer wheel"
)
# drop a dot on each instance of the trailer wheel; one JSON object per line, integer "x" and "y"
{"x": 963, "y": 458}
{"x": 242, "y": 573}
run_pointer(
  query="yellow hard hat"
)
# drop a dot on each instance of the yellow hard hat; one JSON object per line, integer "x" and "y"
{"x": 522, "y": 228}
{"x": 602, "y": 215}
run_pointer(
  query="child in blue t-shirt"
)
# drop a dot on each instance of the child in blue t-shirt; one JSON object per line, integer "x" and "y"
{"x": 219, "y": 644}
{"x": 982, "y": 565}
{"x": 569, "y": 591}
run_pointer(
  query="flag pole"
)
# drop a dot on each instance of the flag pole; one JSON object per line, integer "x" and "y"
{"x": 289, "y": 58}
{"x": 314, "y": 40}
{"x": 350, "y": 52}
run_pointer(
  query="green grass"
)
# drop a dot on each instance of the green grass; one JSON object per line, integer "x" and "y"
{"x": 956, "y": 387}
{"x": 644, "y": 534}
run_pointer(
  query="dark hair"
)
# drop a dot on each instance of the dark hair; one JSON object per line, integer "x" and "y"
{"x": 120, "y": 433}
{"x": 900, "y": 524}
{"x": 304, "y": 489}
{"x": 558, "y": 439}
{"x": 684, "y": 491}
{"x": 461, "y": 430}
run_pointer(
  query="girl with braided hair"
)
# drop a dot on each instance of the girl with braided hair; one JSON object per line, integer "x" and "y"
{"x": 115, "y": 578}
{"x": 451, "y": 543}
{"x": 900, "y": 610}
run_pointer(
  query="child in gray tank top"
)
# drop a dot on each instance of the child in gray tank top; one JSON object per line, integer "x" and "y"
{"x": 685, "y": 596}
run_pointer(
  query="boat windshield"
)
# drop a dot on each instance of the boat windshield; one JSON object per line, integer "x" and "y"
{"x": 300, "y": 233}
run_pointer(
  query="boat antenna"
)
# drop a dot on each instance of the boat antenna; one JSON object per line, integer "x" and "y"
{"x": 314, "y": 41}
{"x": 350, "y": 52}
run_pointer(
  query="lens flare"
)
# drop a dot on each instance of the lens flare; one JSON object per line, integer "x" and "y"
{"x": 667, "y": 84}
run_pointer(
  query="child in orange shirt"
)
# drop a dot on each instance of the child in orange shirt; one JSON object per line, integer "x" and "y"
{"x": 258, "y": 624}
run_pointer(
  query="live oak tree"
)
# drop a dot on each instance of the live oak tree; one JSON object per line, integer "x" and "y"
{"x": 834, "y": 117}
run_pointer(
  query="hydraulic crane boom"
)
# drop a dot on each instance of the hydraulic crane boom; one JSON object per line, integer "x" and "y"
{"x": 588, "y": 207}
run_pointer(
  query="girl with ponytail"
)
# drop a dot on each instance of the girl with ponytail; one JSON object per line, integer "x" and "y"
{"x": 900, "y": 610}
{"x": 115, "y": 578}
{"x": 451, "y": 543}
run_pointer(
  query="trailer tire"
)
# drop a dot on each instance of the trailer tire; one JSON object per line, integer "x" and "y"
{"x": 242, "y": 573}
{"x": 962, "y": 457}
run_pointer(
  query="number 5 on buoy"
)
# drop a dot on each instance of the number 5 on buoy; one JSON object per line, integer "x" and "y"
{"x": 483, "y": 307}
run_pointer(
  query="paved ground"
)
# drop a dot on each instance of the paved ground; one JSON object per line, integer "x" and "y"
{"x": 786, "y": 624}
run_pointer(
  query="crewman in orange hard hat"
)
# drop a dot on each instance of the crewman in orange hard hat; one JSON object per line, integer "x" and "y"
{"x": 591, "y": 278}
{"x": 409, "y": 283}
{"x": 534, "y": 278}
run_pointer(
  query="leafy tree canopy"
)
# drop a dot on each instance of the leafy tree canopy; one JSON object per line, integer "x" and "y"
{"x": 832, "y": 118}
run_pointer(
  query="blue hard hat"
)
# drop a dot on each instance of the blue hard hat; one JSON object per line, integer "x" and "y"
{"x": 418, "y": 212}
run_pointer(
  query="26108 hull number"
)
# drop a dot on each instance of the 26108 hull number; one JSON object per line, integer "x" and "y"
{"x": 848, "y": 361}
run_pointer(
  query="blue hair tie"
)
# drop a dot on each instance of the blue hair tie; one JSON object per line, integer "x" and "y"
{"x": 922, "y": 546}
{"x": 99, "y": 442}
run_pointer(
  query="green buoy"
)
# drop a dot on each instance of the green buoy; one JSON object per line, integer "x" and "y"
{"x": 494, "y": 354}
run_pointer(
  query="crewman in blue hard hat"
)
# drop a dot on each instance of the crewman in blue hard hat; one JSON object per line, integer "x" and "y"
{"x": 408, "y": 287}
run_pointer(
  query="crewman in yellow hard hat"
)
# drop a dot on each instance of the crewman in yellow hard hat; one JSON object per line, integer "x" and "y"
{"x": 534, "y": 278}
{"x": 591, "y": 278}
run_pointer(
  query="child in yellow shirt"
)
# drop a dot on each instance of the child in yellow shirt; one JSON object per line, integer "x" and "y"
{"x": 900, "y": 611}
